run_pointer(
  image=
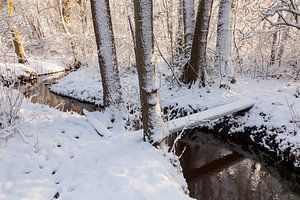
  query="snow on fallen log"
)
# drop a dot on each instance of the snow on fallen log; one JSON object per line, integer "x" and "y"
{"x": 97, "y": 125}
{"x": 194, "y": 120}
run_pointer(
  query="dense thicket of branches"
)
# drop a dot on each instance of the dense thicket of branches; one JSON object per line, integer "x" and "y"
{"x": 64, "y": 27}
{"x": 221, "y": 39}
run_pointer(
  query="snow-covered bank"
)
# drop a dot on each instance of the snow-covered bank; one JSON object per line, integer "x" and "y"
{"x": 85, "y": 84}
{"x": 34, "y": 67}
{"x": 276, "y": 105}
{"x": 63, "y": 157}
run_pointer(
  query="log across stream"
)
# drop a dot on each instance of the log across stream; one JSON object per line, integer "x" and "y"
{"x": 212, "y": 168}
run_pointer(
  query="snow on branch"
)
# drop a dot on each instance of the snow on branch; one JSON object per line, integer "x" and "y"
{"x": 287, "y": 12}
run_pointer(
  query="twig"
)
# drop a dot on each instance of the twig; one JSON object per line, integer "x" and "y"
{"x": 171, "y": 68}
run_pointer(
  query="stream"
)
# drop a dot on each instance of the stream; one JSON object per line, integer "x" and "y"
{"x": 38, "y": 92}
{"x": 211, "y": 169}
{"x": 215, "y": 171}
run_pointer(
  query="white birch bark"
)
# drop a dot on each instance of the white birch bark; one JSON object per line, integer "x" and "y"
{"x": 223, "y": 49}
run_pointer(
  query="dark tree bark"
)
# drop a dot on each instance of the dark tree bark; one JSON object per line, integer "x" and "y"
{"x": 153, "y": 125}
{"x": 273, "y": 48}
{"x": 197, "y": 65}
{"x": 106, "y": 53}
{"x": 179, "y": 51}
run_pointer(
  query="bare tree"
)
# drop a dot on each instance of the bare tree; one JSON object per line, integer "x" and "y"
{"x": 188, "y": 21}
{"x": 106, "y": 53}
{"x": 19, "y": 49}
{"x": 223, "y": 48}
{"x": 153, "y": 125}
{"x": 273, "y": 48}
{"x": 283, "y": 9}
{"x": 284, "y": 38}
{"x": 197, "y": 64}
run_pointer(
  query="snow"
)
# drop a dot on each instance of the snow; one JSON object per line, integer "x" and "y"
{"x": 37, "y": 67}
{"x": 97, "y": 124}
{"x": 189, "y": 21}
{"x": 208, "y": 115}
{"x": 107, "y": 51}
{"x": 61, "y": 156}
{"x": 274, "y": 98}
{"x": 224, "y": 40}
{"x": 147, "y": 72}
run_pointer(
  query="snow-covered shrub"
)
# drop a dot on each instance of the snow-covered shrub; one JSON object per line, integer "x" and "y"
{"x": 10, "y": 104}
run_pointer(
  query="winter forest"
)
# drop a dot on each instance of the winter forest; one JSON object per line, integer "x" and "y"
{"x": 149, "y": 99}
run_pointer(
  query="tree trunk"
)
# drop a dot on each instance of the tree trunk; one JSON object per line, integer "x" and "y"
{"x": 223, "y": 57}
{"x": 274, "y": 45}
{"x": 188, "y": 20}
{"x": 284, "y": 38}
{"x": 179, "y": 35}
{"x": 197, "y": 65}
{"x": 153, "y": 125}
{"x": 106, "y": 53}
{"x": 66, "y": 11}
{"x": 19, "y": 49}
{"x": 273, "y": 48}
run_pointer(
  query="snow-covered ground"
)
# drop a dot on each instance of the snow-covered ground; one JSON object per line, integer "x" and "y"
{"x": 59, "y": 155}
{"x": 275, "y": 102}
{"x": 33, "y": 67}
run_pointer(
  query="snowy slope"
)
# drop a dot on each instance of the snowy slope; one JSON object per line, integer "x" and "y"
{"x": 63, "y": 157}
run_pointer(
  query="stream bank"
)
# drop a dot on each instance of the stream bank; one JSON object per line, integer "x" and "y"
{"x": 37, "y": 91}
{"x": 236, "y": 157}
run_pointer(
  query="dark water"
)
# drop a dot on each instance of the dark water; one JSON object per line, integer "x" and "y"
{"x": 214, "y": 172}
{"x": 38, "y": 92}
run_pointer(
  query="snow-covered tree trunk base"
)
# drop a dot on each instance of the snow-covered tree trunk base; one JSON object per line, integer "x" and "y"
{"x": 153, "y": 125}
{"x": 106, "y": 53}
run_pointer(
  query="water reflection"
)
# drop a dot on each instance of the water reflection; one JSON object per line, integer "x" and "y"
{"x": 38, "y": 92}
{"x": 213, "y": 172}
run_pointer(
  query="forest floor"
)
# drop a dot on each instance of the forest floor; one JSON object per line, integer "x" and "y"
{"x": 59, "y": 155}
{"x": 277, "y": 103}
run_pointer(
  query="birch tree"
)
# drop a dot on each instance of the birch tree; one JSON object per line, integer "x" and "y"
{"x": 153, "y": 125}
{"x": 107, "y": 55}
{"x": 196, "y": 67}
{"x": 223, "y": 48}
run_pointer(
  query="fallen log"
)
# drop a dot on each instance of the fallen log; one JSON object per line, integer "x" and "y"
{"x": 194, "y": 120}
